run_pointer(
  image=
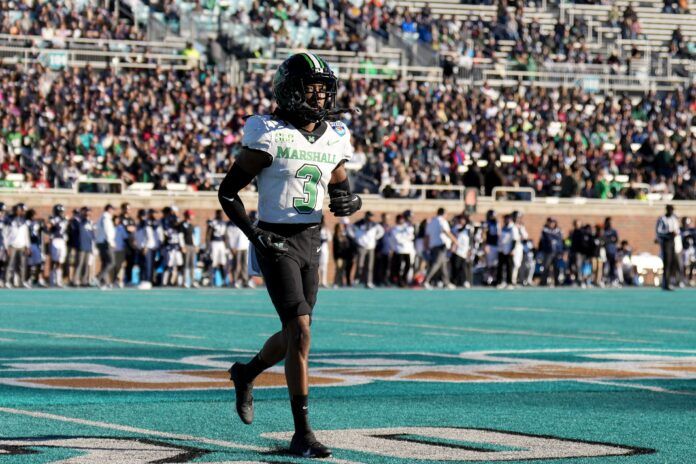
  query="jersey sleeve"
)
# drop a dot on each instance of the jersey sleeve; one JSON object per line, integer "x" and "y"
{"x": 256, "y": 135}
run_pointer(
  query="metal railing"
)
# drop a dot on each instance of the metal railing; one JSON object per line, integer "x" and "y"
{"x": 389, "y": 56}
{"x": 29, "y": 41}
{"x": 99, "y": 59}
{"x": 360, "y": 70}
{"x": 424, "y": 192}
{"x": 588, "y": 82}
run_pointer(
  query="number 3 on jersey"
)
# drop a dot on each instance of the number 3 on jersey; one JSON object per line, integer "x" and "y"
{"x": 312, "y": 175}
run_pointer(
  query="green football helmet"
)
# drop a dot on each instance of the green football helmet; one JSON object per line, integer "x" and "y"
{"x": 291, "y": 80}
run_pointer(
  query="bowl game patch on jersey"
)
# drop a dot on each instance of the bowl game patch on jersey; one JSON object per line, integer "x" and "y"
{"x": 338, "y": 127}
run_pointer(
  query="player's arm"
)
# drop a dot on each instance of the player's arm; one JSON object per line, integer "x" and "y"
{"x": 342, "y": 201}
{"x": 248, "y": 165}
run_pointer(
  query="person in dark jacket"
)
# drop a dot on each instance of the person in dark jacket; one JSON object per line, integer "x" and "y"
{"x": 551, "y": 246}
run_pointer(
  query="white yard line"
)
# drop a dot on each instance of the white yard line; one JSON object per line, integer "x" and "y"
{"x": 526, "y": 333}
{"x": 118, "y": 340}
{"x": 589, "y": 313}
{"x": 639, "y": 387}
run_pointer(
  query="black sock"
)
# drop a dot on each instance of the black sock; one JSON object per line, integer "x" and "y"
{"x": 300, "y": 414}
{"x": 255, "y": 367}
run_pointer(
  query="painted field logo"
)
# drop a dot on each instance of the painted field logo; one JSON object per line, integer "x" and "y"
{"x": 210, "y": 372}
{"x": 409, "y": 443}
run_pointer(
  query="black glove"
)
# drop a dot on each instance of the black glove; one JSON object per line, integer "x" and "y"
{"x": 269, "y": 244}
{"x": 344, "y": 204}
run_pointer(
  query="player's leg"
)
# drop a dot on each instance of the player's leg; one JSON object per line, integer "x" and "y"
{"x": 284, "y": 284}
{"x": 299, "y": 338}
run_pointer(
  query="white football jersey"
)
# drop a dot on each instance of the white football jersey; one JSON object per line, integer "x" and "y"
{"x": 292, "y": 188}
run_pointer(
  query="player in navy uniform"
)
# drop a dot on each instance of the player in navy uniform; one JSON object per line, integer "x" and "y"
{"x": 297, "y": 156}
{"x": 37, "y": 227}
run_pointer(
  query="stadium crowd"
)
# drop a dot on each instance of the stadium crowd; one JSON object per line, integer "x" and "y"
{"x": 115, "y": 247}
{"x": 62, "y": 20}
{"x": 162, "y": 126}
{"x": 475, "y": 38}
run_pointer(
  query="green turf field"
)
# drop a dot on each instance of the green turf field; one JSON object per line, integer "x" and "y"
{"x": 561, "y": 376}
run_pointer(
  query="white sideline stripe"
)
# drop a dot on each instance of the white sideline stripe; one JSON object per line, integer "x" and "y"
{"x": 639, "y": 387}
{"x": 443, "y": 334}
{"x": 435, "y": 327}
{"x": 154, "y": 433}
{"x": 189, "y": 337}
{"x": 7, "y": 340}
{"x": 672, "y": 332}
{"x": 120, "y": 340}
{"x": 353, "y": 334}
{"x": 591, "y": 313}
{"x": 129, "y": 429}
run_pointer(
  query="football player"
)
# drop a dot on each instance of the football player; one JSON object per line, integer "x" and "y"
{"x": 58, "y": 228}
{"x": 297, "y": 156}
{"x": 35, "y": 261}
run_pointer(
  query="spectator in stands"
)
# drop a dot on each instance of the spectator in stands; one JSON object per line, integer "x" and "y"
{"x": 57, "y": 22}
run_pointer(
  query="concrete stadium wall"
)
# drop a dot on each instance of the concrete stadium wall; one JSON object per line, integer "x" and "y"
{"x": 634, "y": 220}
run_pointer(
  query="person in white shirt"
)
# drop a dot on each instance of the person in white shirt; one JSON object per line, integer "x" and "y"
{"x": 17, "y": 247}
{"x": 463, "y": 257}
{"x": 215, "y": 244}
{"x": 438, "y": 240}
{"x": 85, "y": 248}
{"x": 105, "y": 235}
{"x": 668, "y": 230}
{"x": 325, "y": 239}
{"x": 518, "y": 251}
{"x": 403, "y": 239}
{"x": 238, "y": 243}
{"x": 366, "y": 232}
{"x": 509, "y": 237}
